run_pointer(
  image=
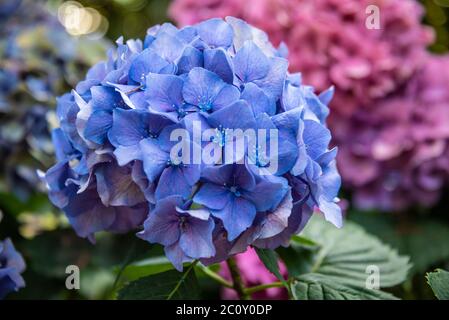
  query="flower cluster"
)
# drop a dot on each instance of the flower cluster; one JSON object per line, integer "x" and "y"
{"x": 362, "y": 63}
{"x": 254, "y": 273}
{"x": 11, "y": 267}
{"x": 121, "y": 164}
{"x": 38, "y": 61}
{"x": 398, "y": 156}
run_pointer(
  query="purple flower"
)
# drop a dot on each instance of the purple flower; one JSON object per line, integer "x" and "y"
{"x": 12, "y": 266}
{"x": 186, "y": 234}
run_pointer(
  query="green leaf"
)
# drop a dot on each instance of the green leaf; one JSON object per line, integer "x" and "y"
{"x": 341, "y": 266}
{"x": 410, "y": 238}
{"x": 270, "y": 260}
{"x": 145, "y": 268}
{"x": 167, "y": 285}
{"x": 303, "y": 241}
{"x": 138, "y": 264}
{"x": 439, "y": 282}
{"x": 297, "y": 259}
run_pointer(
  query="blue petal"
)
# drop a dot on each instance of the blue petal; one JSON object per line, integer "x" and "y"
{"x": 251, "y": 63}
{"x": 105, "y": 98}
{"x": 56, "y": 177}
{"x": 212, "y": 196}
{"x": 315, "y": 105}
{"x": 164, "y": 92}
{"x": 196, "y": 238}
{"x": 287, "y": 152}
{"x": 215, "y": 32}
{"x": 162, "y": 224}
{"x": 299, "y": 217}
{"x": 219, "y": 62}
{"x": 235, "y": 116}
{"x": 168, "y": 46}
{"x": 129, "y": 218}
{"x": 244, "y": 32}
{"x": 125, "y": 155}
{"x": 273, "y": 82}
{"x": 176, "y": 256}
{"x": 63, "y": 147}
{"x": 129, "y": 127}
{"x": 327, "y": 157}
{"x": 258, "y": 100}
{"x": 268, "y": 193}
{"x": 237, "y": 216}
{"x": 87, "y": 214}
{"x": 327, "y": 95}
{"x": 177, "y": 180}
{"x": 97, "y": 126}
{"x": 154, "y": 159}
{"x": 191, "y": 58}
{"x": 277, "y": 221}
{"x": 330, "y": 181}
{"x": 207, "y": 91}
{"x": 331, "y": 211}
{"x": 116, "y": 187}
{"x": 316, "y": 138}
{"x": 147, "y": 62}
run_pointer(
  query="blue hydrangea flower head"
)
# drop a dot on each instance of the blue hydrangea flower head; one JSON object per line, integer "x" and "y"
{"x": 11, "y": 267}
{"x": 201, "y": 138}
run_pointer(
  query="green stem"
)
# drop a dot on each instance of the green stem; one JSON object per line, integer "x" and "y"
{"x": 183, "y": 278}
{"x": 261, "y": 287}
{"x": 237, "y": 283}
{"x": 216, "y": 277}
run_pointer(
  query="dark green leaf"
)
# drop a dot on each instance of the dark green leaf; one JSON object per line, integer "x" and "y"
{"x": 297, "y": 259}
{"x": 163, "y": 286}
{"x": 146, "y": 267}
{"x": 410, "y": 238}
{"x": 270, "y": 260}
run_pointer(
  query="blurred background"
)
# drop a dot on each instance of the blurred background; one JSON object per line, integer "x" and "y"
{"x": 46, "y": 49}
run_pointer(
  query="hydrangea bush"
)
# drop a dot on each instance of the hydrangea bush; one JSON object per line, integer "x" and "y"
{"x": 38, "y": 61}
{"x": 398, "y": 156}
{"x": 122, "y": 165}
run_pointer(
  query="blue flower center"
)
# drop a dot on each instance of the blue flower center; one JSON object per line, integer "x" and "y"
{"x": 205, "y": 105}
{"x": 235, "y": 191}
{"x": 259, "y": 157}
{"x": 220, "y": 136}
{"x": 182, "y": 222}
{"x": 175, "y": 163}
{"x": 152, "y": 134}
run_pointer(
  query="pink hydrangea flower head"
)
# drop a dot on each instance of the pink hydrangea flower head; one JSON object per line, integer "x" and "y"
{"x": 398, "y": 156}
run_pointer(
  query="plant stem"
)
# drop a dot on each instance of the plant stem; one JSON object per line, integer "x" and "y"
{"x": 216, "y": 277}
{"x": 261, "y": 287}
{"x": 237, "y": 283}
{"x": 183, "y": 278}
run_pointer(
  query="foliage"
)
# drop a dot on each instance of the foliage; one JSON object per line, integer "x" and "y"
{"x": 439, "y": 282}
